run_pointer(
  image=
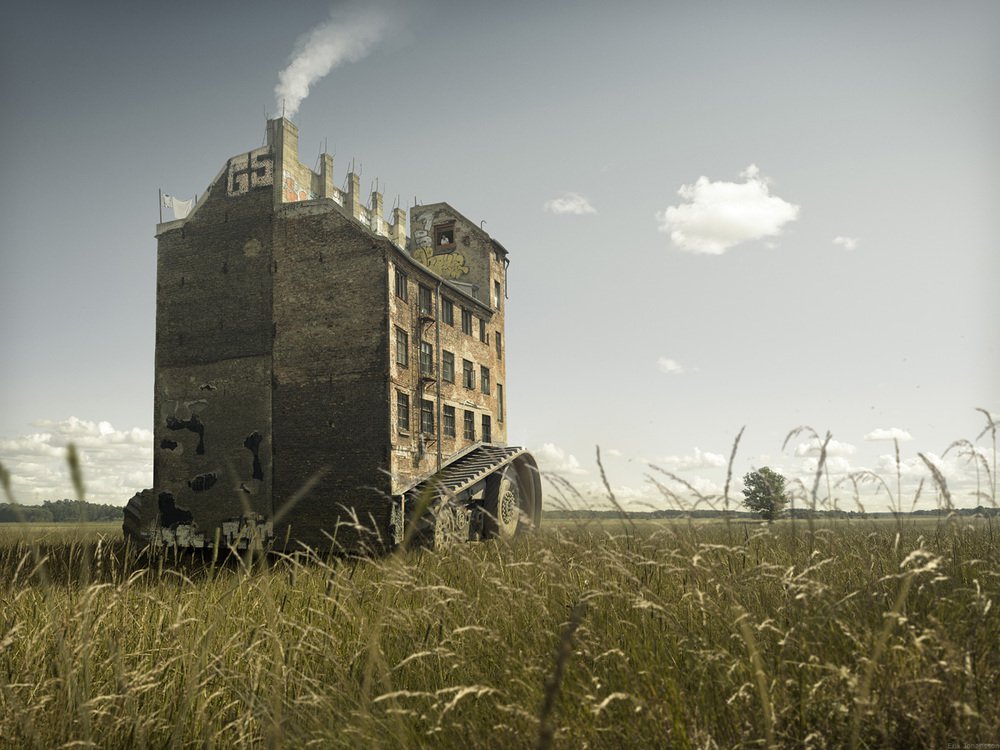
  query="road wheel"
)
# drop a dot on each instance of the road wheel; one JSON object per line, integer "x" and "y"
{"x": 502, "y": 505}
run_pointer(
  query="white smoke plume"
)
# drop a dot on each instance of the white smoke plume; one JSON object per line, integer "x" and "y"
{"x": 347, "y": 36}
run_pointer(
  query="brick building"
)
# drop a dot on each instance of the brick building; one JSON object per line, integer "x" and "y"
{"x": 315, "y": 366}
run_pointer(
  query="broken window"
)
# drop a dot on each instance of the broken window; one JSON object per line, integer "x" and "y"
{"x": 447, "y": 312}
{"x": 483, "y": 336}
{"x": 469, "y": 425}
{"x": 402, "y": 348}
{"x": 496, "y": 294}
{"x": 448, "y": 420}
{"x": 487, "y": 430}
{"x": 447, "y": 366}
{"x": 466, "y": 321}
{"x": 484, "y": 379}
{"x": 468, "y": 374}
{"x": 426, "y": 416}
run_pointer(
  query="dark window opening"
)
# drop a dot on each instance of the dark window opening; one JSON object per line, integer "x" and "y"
{"x": 487, "y": 429}
{"x": 467, "y": 321}
{"x": 402, "y": 411}
{"x": 401, "y": 285}
{"x": 447, "y": 366}
{"x": 426, "y": 416}
{"x": 448, "y": 312}
{"x": 425, "y": 304}
{"x": 426, "y": 359}
{"x": 468, "y": 374}
{"x": 469, "y": 425}
{"x": 402, "y": 347}
{"x": 484, "y": 380}
{"x": 448, "y": 418}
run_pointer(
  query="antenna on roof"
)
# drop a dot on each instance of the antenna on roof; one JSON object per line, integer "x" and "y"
{"x": 396, "y": 204}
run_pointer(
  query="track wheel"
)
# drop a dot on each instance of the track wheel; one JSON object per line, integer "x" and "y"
{"x": 502, "y": 504}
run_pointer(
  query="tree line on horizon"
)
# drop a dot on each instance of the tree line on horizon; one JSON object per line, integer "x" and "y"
{"x": 59, "y": 511}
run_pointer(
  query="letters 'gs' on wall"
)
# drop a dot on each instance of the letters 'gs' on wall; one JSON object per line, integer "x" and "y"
{"x": 249, "y": 171}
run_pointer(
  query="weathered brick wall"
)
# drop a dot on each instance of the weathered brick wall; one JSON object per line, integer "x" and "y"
{"x": 413, "y": 457}
{"x": 213, "y": 339}
{"x": 330, "y": 357}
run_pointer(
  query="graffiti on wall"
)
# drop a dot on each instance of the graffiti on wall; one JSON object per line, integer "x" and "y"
{"x": 249, "y": 171}
{"x": 292, "y": 191}
{"x": 445, "y": 260}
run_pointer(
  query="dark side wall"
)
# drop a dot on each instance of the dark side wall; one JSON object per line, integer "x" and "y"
{"x": 330, "y": 360}
{"x": 213, "y": 355}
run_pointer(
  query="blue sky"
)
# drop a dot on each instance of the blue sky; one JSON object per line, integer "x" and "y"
{"x": 766, "y": 214}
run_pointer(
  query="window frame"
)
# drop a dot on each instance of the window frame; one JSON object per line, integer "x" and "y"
{"x": 469, "y": 424}
{"x": 448, "y": 420}
{"x": 484, "y": 380}
{"x": 401, "y": 285}
{"x": 448, "y": 311}
{"x": 426, "y": 359}
{"x": 447, "y": 366}
{"x": 484, "y": 335}
{"x": 466, "y": 321}
{"x": 426, "y": 416}
{"x": 402, "y": 347}
{"x": 424, "y": 295}
{"x": 487, "y": 429}
{"x": 468, "y": 374}
{"x": 402, "y": 411}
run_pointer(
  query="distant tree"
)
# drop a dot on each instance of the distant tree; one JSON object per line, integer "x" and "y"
{"x": 764, "y": 493}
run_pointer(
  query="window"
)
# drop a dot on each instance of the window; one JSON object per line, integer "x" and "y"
{"x": 497, "y": 338}
{"x": 499, "y": 402}
{"x": 444, "y": 235}
{"x": 426, "y": 359}
{"x": 402, "y": 411}
{"x": 483, "y": 336}
{"x": 426, "y": 415}
{"x": 425, "y": 305}
{"x": 447, "y": 312}
{"x": 466, "y": 321}
{"x": 402, "y": 348}
{"x": 447, "y": 366}
{"x": 468, "y": 374}
{"x": 401, "y": 285}
{"x": 496, "y": 294}
{"x": 487, "y": 432}
{"x": 449, "y": 421}
{"x": 484, "y": 380}
{"x": 470, "y": 425}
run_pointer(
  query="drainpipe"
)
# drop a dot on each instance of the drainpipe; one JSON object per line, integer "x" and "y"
{"x": 437, "y": 380}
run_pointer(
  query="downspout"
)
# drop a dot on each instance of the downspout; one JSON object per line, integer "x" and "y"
{"x": 437, "y": 380}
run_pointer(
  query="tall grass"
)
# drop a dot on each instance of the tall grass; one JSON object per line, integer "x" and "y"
{"x": 582, "y": 635}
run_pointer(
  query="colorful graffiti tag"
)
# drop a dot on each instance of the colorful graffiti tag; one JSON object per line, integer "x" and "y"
{"x": 444, "y": 260}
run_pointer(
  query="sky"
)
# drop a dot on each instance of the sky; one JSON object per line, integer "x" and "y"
{"x": 720, "y": 216}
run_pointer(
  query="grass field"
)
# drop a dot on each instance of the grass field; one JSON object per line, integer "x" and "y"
{"x": 604, "y": 635}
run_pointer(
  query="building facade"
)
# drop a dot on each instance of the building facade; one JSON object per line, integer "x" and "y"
{"x": 312, "y": 355}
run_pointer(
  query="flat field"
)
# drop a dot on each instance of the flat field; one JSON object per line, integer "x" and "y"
{"x": 582, "y": 635}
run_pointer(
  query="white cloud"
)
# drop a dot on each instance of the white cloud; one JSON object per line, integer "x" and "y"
{"x": 833, "y": 448}
{"x": 848, "y": 243}
{"x": 891, "y": 433}
{"x": 115, "y": 463}
{"x": 719, "y": 215}
{"x": 614, "y": 452}
{"x": 552, "y": 458}
{"x": 669, "y": 366}
{"x": 570, "y": 203}
{"x": 700, "y": 460}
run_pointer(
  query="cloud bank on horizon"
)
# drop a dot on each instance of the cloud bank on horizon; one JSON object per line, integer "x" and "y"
{"x": 717, "y": 216}
{"x": 348, "y": 35}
